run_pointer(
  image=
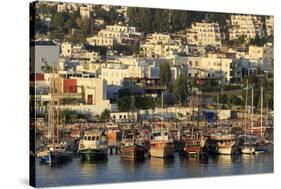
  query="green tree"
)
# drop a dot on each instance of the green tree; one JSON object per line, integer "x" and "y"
{"x": 161, "y": 21}
{"x": 105, "y": 115}
{"x": 235, "y": 100}
{"x": 178, "y": 20}
{"x": 144, "y": 102}
{"x": 58, "y": 20}
{"x": 181, "y": 89}
{"x": 124, "y": 104}
{"x": 165, "y": 75}
{"x": 169, "y": 99}
{"x": 86, "y": 27}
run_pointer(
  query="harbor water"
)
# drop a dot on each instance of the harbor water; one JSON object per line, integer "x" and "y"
{"x": 115, "y": 169}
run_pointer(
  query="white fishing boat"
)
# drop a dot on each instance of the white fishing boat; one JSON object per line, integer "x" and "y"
{"x": 161, "y": 145}
{"x": 93, "y": 146}
{"x": 220, "y": 143}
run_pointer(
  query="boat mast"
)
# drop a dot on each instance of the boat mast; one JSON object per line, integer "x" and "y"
{"x": 246, "y": 112}
{"x": 217, "y": 110}
{"x": 57, "y": 108}
{"x": 162, "y": 102}
{"x": 252, "y": 111}
{"x": 261, "y": 110}
{"x": 52, "y": 106}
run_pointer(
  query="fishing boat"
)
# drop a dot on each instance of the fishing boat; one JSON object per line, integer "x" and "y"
{"x": 132, "y": 148}
{"x": 93, "y": 146}
{"x": 221, "y": 143}
{"x": 56, "y": 151}
{"x": 161, "y": 145}
{"x": 55, "y": 154}
{"x": 194, "y": 146}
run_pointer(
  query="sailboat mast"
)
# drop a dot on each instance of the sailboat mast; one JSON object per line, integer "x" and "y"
{"x": 246, "y": 113}
{"x": 162, "y": 106}
{"x": 52, "y": 107}
{"x": 261, "y": 110}
{"x": 252, "y": 111}
{"x": 58, "y": 110}
{"x": 218, "y": 121}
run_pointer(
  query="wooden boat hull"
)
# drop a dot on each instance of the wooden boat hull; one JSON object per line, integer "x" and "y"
{"x": 192, "y": 150}
{"x": 57, "y": 157}
{"x": 133, "y": 152}
{"x": 161, "y": 150}
{"x": 267, "y": 147}
{"x": 94, "y": 154}
{"x": 247, "y": 150}
{"x": 225, "y": 150}
{"x": 45, "y": 158}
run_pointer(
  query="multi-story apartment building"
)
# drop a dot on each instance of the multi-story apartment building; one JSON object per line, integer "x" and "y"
{"x": 263, "y": 56}
{"x": 67, "y": 7}
{"x": 161, "y": 50}
{"x": 97, "y": 40}
{"x": 68, "y": 49}
{"x": 76, "y": 52}
{"x": 114, "y": 73}
{"x": 160, "y": 45}
{"x": 203, "y": 33}
{"x": 61, "y": 7}
{"x": 114, "y": 34}
{"x": 159, "y": 38}
{"x": 85, "y": 11}
{"x": 269, "y": 24}
{"x": 245, "y": 25}
{"x": 211, "y": 66}
{"x": 121, "y": 28}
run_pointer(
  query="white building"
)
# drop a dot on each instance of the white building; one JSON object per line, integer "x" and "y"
{"x": 94, "y": 92}
{"x": 76, "y": 52}
{"x": 202, "y": 34}
{"x": 245, "y": 25}
{"x": 61, "y": 7}
{"x": 114, "y": 73}
{"x": 211, "y": 66}
{"x": 124, "y": 116}
{"x": 85, "y": 11}
{"x": 114, "y": 34}
{"x": 159, "y": 38}
{"x": 100, "y": 41}
{"x": 269, "y": 24}
{"x": 263, "y": 56}
{"x": 43, "y": 54}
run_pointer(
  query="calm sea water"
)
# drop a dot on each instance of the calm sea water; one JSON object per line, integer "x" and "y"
{"x": 117, "y": 170}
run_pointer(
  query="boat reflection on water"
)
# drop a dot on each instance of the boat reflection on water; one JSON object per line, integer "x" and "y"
{"x": 130, "y": 165}
{"x": 160, "y": 164}
{"x": 193, "y": 160}
{"x": 224, "y": 161}
{"x": 88, "y": 169}
{"x": 93, "y": 161}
